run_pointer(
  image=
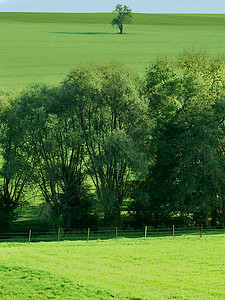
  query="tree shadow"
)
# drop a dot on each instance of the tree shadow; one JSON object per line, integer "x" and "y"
{"x": 81, "y": 33}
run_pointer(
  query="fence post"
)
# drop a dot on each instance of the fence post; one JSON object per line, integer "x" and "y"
{"x": 116, "y": 232}
{"x": 173, "y": 231}
{"x": 88, "y": 234}
{"x": 29, "y": 236}
{"x": 201, "y": 230}
{"x": 146, "y": 228}
{"x": 58, "y": 234}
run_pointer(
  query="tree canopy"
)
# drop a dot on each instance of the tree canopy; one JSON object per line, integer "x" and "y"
{"x": 124, "y": 16}
{"x": 186, "y": 101}
{"x": 104, "y": 141}
{"x": 114, "y": 127}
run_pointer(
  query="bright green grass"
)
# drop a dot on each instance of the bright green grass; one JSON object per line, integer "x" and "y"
{"x": 44, "y": 47}
{"x": 158, "y": 268}
{"x": 106, "y": 18}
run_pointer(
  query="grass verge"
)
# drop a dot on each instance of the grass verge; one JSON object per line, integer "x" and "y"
{"x": 155, "y": 268}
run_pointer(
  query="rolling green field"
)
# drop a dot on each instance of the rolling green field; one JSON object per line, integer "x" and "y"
{"x": 156, "y": 268}
{"x": 44, "y": 47}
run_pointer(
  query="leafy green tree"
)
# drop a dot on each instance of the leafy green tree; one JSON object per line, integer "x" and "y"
{"x": 124, "y": 16}
{"x": 154, "y": 201}
{"x": 186, "y": 100}
{"x": 114, "y": 126}
{"x": 48, "y": 144}
{"x": 199, "y": 173}
{"x": 13, "y": 176}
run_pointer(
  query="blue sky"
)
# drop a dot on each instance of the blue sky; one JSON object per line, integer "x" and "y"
{"x": 141, "y": 6}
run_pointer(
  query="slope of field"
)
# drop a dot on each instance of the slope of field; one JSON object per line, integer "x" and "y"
{"x": 158, "y": 268}
{"x": 106, "y": 18}
{"x": 44, "y": 47}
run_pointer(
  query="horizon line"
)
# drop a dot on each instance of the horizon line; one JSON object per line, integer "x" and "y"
{"x": 150, "y": 13}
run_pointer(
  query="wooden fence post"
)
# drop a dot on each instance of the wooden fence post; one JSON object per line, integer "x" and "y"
{"x": 58, "y": 234}
{"x": 201, "y": 230}
{"x": 88, "y": 234}
{"x": 173, "y": 231}
{"x": 116, "y": 232}
{"x": 29, "y": 236}
{"x": 146, "y": 228}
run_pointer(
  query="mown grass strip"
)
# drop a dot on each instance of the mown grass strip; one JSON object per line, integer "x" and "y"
{"x": 155, "y": 268}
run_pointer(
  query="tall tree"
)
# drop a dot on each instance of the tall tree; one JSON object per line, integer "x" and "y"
{"x": 154, "y": 201}
{"x": 13, "y": 173}
{"x": 114, "y": 126}
{"x": 48, "y": 143}
{"x": 187, "y": 101}
{"x": 124, "y": 16}
{"x": 200, "y": 167}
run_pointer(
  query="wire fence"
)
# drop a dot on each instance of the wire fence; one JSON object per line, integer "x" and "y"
{"x": 107, "y": 234}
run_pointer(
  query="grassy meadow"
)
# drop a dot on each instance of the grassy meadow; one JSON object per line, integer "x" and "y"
{"x": 44, "y": 47}
{"x": 155, "y": 268}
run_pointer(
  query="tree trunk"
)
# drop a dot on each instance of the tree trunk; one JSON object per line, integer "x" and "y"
{"x": 121, "y": 29}
{"x": 206, "y": 218}
{"x": 206, "y": 212}
{"x": 117, "y": 214}
{"x": 21, "y": 210}
{"x": 108, "y": 219}
{"x": 68, "y": 218}
{"x": 112, "y": 218}
{"x": 223, "y": 213}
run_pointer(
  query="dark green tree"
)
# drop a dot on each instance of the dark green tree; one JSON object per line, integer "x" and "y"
{"x": 154, "y": 202}
{"x": 115, "y": 127}
{"x": 124, "y": 16}
{"x": 186, "y": 100}
{"x": 48, "y": 144}
{"x": 199, "y": 178}
{"x": 13, "y": 174}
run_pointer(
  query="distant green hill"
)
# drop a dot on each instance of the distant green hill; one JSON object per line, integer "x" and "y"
{"x": 44, "y": 47}
{"x": 105, "y": 18}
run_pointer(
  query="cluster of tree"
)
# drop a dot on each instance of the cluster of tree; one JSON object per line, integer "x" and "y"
{"x": 105, "y": 137}
{"x": 186, "y": 182}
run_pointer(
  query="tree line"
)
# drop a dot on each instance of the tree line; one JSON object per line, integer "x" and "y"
{"x": 105, "y": 141}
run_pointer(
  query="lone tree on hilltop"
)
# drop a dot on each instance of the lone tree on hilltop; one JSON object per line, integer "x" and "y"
{"x": 124, "y": 16}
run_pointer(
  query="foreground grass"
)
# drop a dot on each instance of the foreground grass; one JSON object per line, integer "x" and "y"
{"x": 44, "y": 47}
{"x": 158, "y": 268}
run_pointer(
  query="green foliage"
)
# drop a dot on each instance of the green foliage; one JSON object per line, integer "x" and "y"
{"x": 103, "y": 136}
{"x": 114, "y": 127}
{"x": 47, "y": 145}
{"x": 186, "y": 100}
{"x": 124, "y": 16}
{"x": 12, "y": 177}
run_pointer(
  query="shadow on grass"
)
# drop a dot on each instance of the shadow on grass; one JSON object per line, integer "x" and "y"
{"x": 81, "y": 33}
